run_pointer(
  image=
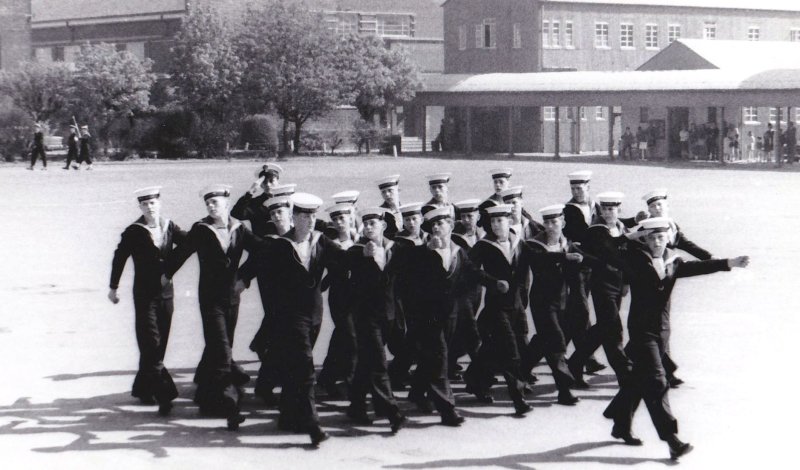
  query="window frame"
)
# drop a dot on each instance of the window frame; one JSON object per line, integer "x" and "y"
{"x": 794, "y": 35}
{"x": 672, "y": 29}
{"x": 750, "y": 33}
{"x": 599, "y": 113}
{"x": 709, "y": 27}
{"x": 651, "y": 32}
{"x": 546, "y": 33}
{"x": 622, "y": 37}
{"x": 750, "y": 112}
{"x": 548, "y": 113}
{"x": 599, "y": 26}
{"x": 569, "y": 35}
{"x": 555, "y": 34}
{"x": 462, "y": 37}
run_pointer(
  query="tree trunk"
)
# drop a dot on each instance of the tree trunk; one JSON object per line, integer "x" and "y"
{"x": 297, "y": 126}
{"x": 285, "y": 138}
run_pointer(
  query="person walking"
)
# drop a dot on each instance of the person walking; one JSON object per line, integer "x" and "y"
{"x": 72, "y": 147}
{"x": 85, "y": 152}
{"x": 37, "y": 147}
{"x": 149, "y": 240}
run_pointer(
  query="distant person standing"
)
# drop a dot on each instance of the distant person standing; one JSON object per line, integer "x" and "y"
{"x": 769, "y": 142}
{"x": 37, "y": 147}
{"x": 85, "y": 154}
{"x": 712, "y": 137}
{"x": 626, "y": 152}
{"x": 72, "y": 147}
{"x": 790, "y": 137}
{"x": 751, "y": 146}
{"x": 683, "y": 135}
{"x": 641, "y": 139}
{"x": 149, "y": 241}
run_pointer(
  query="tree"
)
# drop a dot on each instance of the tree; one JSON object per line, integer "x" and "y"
{"x": 375, "y": 77}
{"x": 207, "y": 73}
{"x": 111, "y": 84}
{"x": 290, "y": 63}
{"x": 40, "y": 90}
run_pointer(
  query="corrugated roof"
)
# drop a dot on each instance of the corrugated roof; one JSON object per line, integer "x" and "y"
{"x": 626, "y": 81}
{"x": 60, "y": 10}
{"x": 777, "y": 5}
{"x": 728, "y": 55}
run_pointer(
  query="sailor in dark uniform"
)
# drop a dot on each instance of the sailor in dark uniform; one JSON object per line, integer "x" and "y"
{"x": 438, "y": 274}
{"x": 300, "y": 257}
{"x": 501, "y": 254}
{"x": 653, "y": 271}
{"x": 250, "y": 206}
{"x": 37, "y": 147}
{"x": 551, "y": 259}
{"x": 85, "y": 152}
{"x": 389, "y": 187}
{"x": 149, "y": 241}
{"x": 658, "y": 206}
{"x": 578, "y": 215}
{"x": 440, "y": 193}
{"x": 219, "y": 241}
{"x": 466, "y": 339}
{"x": 372, "y": 265}
{"x": 340, "y": 362}
{"x": 350, "y": 197}
{"x": 72, "y": 147}
{"x": 608, "y": 286}
{"x": 500, "y": 182}
{"x": 258, "y": 265}
{"x": 402, "y": 340}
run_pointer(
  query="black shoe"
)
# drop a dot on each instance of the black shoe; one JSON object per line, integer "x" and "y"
{"x": 678, "y": 449}
{"x": 577, "y": 373}
{"x": 522, "y": 408}
{"x": 592, "y": 366}
{"x": 529, "y": 378}
{"x": 359, "y": 416}
{"x": 626, "y": 436}
{"x": 675, "y": 382}
{"x": 165, "y": 408}
{"x": 234, "y": 421}
{"x": 317, "y": 435}
{"x": 567, "y": 398}
{"x": 397, "y": 421}
{"x": 452, "y": 418}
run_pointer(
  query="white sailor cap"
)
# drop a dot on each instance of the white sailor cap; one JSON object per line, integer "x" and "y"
{"x": 268, "y": 168}
{"x": 551, "y": 212}
{"x": 439, "y": 178}
{"x": 511, "y": 193}
{"x": 500, "y": 173}
{"x": 350, "y": 196}
{"x": 282, "y": 190}
{"x": 411, "y": 208}
{"x": 438, "y": 213}
{"x": 468, "y": 205}
{"x": 305, "y": 202}
{"x": 500, "y": 210}
{"x": 277, "y": 202}
{"x": 610, "y": 198}
{"x": 655, "y": 195}
{"x": 580, "y": 177}
{"x": 388, "y": 181}
{"x": 656, "y": 224}
{"x": 151, "y": 192}
{"x": 84, "y": 127}
{"x": 214, "y": 190}
{"x": 338, "y": 209}
{"x": 372, "y": 213}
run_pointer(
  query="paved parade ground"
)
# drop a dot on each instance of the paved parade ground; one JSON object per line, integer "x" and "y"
{"x": 69, "y": 355}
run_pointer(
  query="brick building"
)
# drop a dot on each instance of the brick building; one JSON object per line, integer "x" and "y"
{"x": 15, "y": 32}
{"x": 518, "y": 36}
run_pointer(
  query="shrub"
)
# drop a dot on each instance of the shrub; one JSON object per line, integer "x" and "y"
{"x": 321, "y": 140}
{"x": 366, "y": 134}
{"x": 260, "y": 132}
{"x": 15, "y": 132}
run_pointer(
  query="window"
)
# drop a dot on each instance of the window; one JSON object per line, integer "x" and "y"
{"x": 753, "y": 33}
{"x": 582, "y": 113}
{"x": 673, "y": 32}
{"x": 545, "y": 33}
{"x": 775, "y": 114}
{"x": 796, "y": 114}
{"x": 644, "y": 115}
{"x": 709, "y": 30}
{"x": 569, "y": 34}
{"x": 651, "y": 36}
{"x": 517, "y": 36}
{"x": 57, "y": 53}
{"x": 794, "y": 35}
{"x": 601, "y": 35}
{"x": 478, "y": 36}
{"x": 555, "y": 40}
{"x": 549, "y": 113}
{"x": 626, "y": 36}
{"x": 395, "y": 25}
{"x": 489, "y": 40}
{"x": 462, "y": 37}
{"x": 600, "y": 113}
{"x": 750, "y": 114}
{"x": 368, "y": 24}
{"x": 121, "y": 47}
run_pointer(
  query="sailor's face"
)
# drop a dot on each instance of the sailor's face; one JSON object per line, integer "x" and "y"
{"x": 282, "y": 218}
{"x": 469, "y": 218}
{"x": 610, "y": 213}
{"x": 501, "y": 227}
{"x": 373, "y": 229}
{"x": 500, "y": 184}
{"x": 151, "y": 207}
{"x": 390, "y": 195}
{"x": 412, "y": 223}
{"x": 342, "y": 222}
{"x": 554, "y": 226}
{"x": 217, "y": 206}
{"x": 442, "y": 228}
{"x": 580, "y": 192}
{"x": 657, "y": 243}
{"x": 439, "y": 192}
{"x": 659, "y": 208}
{"x": 305, "y": 221}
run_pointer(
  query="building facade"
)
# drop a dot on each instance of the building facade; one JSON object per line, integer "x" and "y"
{"x": 486, "y": 36}
{"x": 15, "y": 32}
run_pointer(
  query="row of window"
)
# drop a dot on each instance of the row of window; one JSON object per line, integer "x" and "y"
{"x": 750, "y": 115}
{"x": 69, "y": 53}
{"x": 555, "y": 36}
{"x": 384, "y": 24}
{"x": 549, "y": 113}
